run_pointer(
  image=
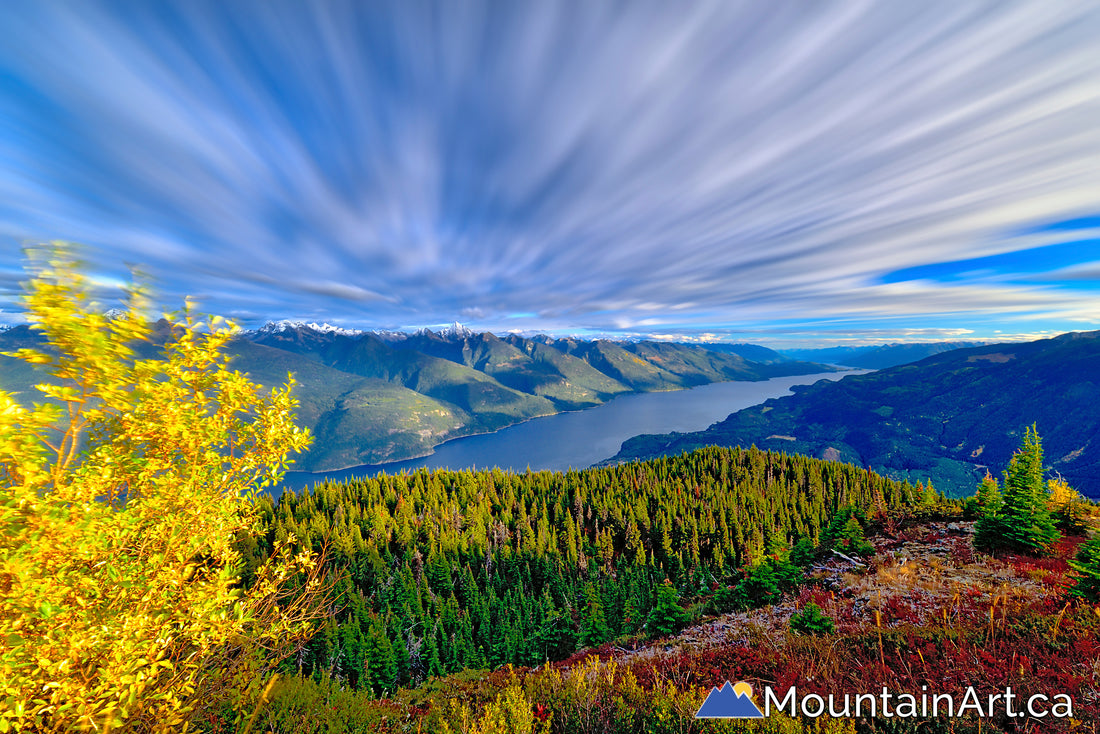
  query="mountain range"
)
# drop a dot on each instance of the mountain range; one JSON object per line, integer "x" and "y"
{"x": 948, "y": 418}
{"x": 876, "y": 357}
{"x": 371, "y": 398}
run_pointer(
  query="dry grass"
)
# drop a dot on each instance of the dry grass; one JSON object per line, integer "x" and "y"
{"x": 927, "y": 573}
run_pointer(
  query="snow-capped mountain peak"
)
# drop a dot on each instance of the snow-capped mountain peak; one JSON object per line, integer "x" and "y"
{"x": 454, "y": 331}
{"x": 277, "y": 327}
{"x": 389, "y": 335}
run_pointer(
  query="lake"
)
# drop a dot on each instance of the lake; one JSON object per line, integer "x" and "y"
{"x": 581, "y": 438}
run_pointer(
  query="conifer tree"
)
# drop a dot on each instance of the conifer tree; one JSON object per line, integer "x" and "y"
{"x": 811, "y": 620}
{"x": 802, "y": 554}
{"x": 631, "y": 616}
{"x": 378, "y": 666}
{"x": 432, "y": 665}
{"x": 554, "y": 638}
{"x": 635, "y": 548}
{"x": 527, "y": 603}
{"x": 845, "y": 532}
{"x": 930, "y": 499}
{"x": 1087, "y": 566}
{"x": 1027, "y": 524}
{"x": 989, "y": 531}
{"x": 759, "y": 586}
{"x": 594, "y": 628}
{"x": 990, "y": 501}
{"x": 667, "y": 616}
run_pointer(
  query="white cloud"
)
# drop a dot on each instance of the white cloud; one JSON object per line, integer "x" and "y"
{"x": 714, "y": 164}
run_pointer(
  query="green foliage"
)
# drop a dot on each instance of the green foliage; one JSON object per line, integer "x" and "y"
{"x": 893, "y": 421}
{"x": 852, "y": 540}
{"x": 554, "y": 638}
{"x": 990, "y": 502}
{"x": 1026, "y": 497}
{"x": 991, "y": 533}
{"x": 591, "y": 697}
{"x": 483, "y": 569}
{"x": 1087, "y": 567}
{"x": 991, "y": 528}
{"x": 845, "y": 532}
{"x": 1023, "y": 523}
{"x": 930, "y": 498}
{"x": 667, "y": 616}
{"x": 508, "y": 713}
{"x": 594, "y": 629}
{"x": 760, "y": 584}
{"x": 812, "y": 621}
{"x": 803, "y": 553}
{"x": 120, "y": 601}
{"x": 297, "y": 705}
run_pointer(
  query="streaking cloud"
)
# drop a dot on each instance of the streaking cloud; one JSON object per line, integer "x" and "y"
{"x": 659, "y": 167}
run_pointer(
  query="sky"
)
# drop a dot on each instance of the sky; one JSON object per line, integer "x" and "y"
{"x": 785, "y": 173}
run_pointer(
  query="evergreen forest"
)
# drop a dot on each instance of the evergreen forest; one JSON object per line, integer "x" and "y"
{"x": 439, "y": 572}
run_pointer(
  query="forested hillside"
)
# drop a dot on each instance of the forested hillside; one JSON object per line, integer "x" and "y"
{"x": 949, "y": 418}
{"x": 754, "y": 352}
{"x": 450, "y": 570}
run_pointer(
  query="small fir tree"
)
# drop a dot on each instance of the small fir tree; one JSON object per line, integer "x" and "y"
{"x": 989, "y": 531}
{"x": 631, "y": 616}
{"x": 594, "y": 629}
{"x": 930, "y": 499}
{"x": 554, "y": 639}
{"x": 759, "y": 587}
{"x": 988, "y": 497}
{"x": 812, "y": 621}
{"x": 1087, "y": 566}
{"x": 845, "y": 532}
{"x": 803, "y": 552}
{"x": 852, "y": 540}
{"x": 667, "y": 616}
{"x": 378, "y": 666}
{"x": 1025, "y": 524}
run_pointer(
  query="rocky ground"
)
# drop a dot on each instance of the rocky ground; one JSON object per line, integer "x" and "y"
{"x": 918, "y": 575}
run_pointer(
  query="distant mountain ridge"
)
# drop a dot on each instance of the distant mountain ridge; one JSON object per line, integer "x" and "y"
{"x": 373, "y": 397}
{"x": 878, "y": 356}
{"x": 753, "y": 352}
{"x": 949, "y": 417}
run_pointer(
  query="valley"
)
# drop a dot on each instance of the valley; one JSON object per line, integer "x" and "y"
{"x": 371, "y": 399}
{"x": 948, "y": 418}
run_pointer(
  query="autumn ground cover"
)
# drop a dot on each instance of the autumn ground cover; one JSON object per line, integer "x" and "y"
{"x": 928, "y": 611}
{"x": 924, "y": 611}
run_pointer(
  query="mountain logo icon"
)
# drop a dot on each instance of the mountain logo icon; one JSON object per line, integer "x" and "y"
{"x": 730, "y": 702}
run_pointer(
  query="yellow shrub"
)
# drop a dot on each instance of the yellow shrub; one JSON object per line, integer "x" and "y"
{"x": 120, "y": 499}
{"x": 508, "y": 713}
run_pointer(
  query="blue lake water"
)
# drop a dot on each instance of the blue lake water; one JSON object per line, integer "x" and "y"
{"x": 582, "y": 438}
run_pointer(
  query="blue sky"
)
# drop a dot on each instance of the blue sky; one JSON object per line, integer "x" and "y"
{"x": 785, "y": 173}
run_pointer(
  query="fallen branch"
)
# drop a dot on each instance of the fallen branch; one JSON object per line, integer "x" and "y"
{"x": 849, "y": 559}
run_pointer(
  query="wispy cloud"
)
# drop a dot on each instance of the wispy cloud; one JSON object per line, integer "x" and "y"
{"x": 658, "y": 165}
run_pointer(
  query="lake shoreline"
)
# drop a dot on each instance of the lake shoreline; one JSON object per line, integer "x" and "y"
{"x": 578, "y": 439}
{"x": 441, "y": 444}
